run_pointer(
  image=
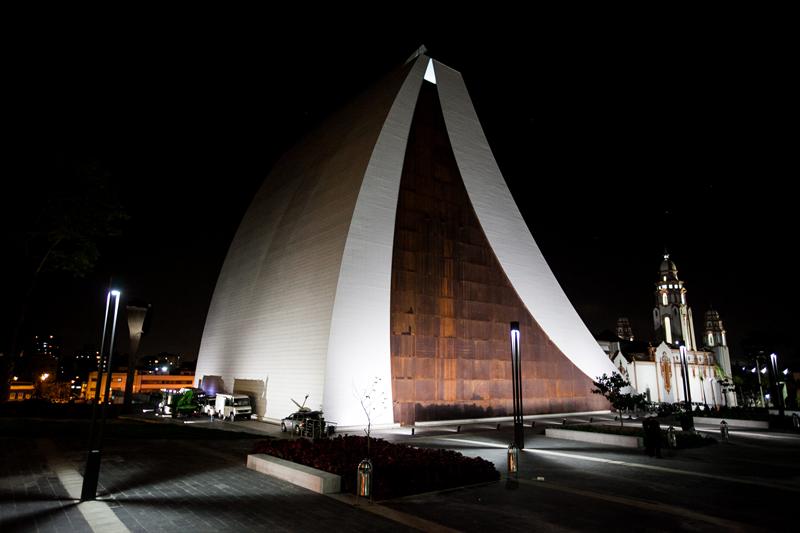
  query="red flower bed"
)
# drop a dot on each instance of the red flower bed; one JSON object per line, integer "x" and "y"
{"x": 398, "y": 469}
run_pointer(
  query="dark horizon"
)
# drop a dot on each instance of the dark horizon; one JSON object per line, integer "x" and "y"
{"x": 612, "y": 153}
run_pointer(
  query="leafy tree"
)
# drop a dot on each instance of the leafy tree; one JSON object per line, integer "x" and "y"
{"x": 617, "y": 390}
{"x": 58, "y": 225}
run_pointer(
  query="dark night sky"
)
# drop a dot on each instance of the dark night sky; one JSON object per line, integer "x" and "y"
{"x": 614, "y": 143}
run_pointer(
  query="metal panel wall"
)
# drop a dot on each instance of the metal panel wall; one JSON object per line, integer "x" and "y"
{"x": 452, "y": 302}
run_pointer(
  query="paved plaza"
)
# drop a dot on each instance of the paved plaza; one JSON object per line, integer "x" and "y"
{"x": 196, "y": 480}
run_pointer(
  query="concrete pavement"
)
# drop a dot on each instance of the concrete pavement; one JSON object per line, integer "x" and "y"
{"x": 170, "y": 484}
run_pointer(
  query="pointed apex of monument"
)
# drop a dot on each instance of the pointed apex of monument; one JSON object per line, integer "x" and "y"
{"x": 422, "y": 50}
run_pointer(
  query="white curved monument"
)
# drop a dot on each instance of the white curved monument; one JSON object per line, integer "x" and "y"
{"x": 385, "y": 253}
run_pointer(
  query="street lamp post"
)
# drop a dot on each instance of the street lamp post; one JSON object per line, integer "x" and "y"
{"x": 757, "y": 372}
{"x": 687, "y": 393}
{"x": 92, "y": 473}
{"x": 516, "y": 386}
{"x": 778, "y": 392}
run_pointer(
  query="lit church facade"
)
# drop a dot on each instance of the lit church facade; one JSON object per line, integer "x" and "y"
{"x": 657, "y": 371}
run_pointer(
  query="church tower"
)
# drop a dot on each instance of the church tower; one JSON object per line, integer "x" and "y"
{"x": 672, "y": 316}
{"x": 624, "y": 330}
{"x": 715, "y": 341}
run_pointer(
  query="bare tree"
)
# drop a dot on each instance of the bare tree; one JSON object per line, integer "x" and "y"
{"x": 373, "y": 401}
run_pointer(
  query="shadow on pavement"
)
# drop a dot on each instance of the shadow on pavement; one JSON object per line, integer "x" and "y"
{"x": 35, "y": 520}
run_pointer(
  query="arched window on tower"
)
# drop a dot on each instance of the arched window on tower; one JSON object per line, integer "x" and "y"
{"x": 664, "y": 298}
{"x": 710, "y": 339}
{"x": 667, "y": 330}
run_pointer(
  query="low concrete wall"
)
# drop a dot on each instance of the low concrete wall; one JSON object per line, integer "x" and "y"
{"x": 733, "y": 422}
{"x": 596, "y": 438}
{"x": 300, "y": 475}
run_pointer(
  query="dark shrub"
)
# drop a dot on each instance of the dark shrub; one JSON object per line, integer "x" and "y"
{"x": 399, "y": 469}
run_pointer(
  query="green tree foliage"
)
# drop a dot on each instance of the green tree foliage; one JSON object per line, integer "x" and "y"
{"x": 617, "y": 390}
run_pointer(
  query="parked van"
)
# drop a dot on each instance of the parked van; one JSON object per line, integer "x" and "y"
{"x": 233, "y": 406}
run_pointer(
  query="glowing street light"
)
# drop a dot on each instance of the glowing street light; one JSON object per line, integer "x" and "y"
{"x": 516, "y": 386}
{"x": 778, "y": 385}
{"x": 44, "y": 376}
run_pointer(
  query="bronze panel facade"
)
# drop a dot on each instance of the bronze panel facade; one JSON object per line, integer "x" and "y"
{"x": 452, "y": 303}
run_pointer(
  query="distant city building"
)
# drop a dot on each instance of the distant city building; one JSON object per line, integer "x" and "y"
{"x": 40, "y": 358}
{"x": 163, "y": 363}
{"x": 20, "y": 390}
{"x": 142, "y": 384}
{"x": 656, "y": 371}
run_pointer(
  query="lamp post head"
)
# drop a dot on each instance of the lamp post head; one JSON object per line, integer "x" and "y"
{"x": 115, "y": 293}
{"x": 514, "y": 335}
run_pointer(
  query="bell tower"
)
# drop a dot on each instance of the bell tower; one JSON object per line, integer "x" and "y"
{"x": 715, "y": 340}
{"x": 672, "y": 316}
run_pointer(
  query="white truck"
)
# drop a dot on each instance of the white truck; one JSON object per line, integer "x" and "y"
{"x": 233, "y": 406}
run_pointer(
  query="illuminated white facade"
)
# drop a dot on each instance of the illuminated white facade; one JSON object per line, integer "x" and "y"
{"x": 302, "y": 303}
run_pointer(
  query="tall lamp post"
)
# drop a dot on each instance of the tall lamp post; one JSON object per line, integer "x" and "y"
{"x": 778, "y": 389}
{"x": 92, "y": 474}
{"x": 757, "y": 371}
{"x": 516, "y": 385}
{"x": 687, "y": 393}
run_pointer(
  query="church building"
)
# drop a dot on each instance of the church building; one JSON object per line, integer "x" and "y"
{"x": 657, "y": 371}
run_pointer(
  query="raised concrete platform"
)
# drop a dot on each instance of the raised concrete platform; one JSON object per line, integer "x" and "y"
{"x": 624, "y": 441}
{"x": 733, "y": 422}
{"x": 300, "y": 475}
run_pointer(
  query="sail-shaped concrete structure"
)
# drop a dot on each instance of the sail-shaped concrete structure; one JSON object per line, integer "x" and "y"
{"x": 385, "y": 254}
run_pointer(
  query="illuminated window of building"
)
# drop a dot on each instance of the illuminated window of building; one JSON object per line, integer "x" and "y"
{"x": 723, "y": 340}
{"x": 683, "y": 299}
{"x": 667, "y": 330}
{"x": 664, "y": 298}
{"x": 710, "y": 339}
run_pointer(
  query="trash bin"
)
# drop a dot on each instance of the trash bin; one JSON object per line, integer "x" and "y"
{"x": 513, "y": 459}
{"x": 723, "y": 431}
{"x": 672, "y": 439}
{"x": 364, "y": 479}
{"x": 795, "y": 421}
